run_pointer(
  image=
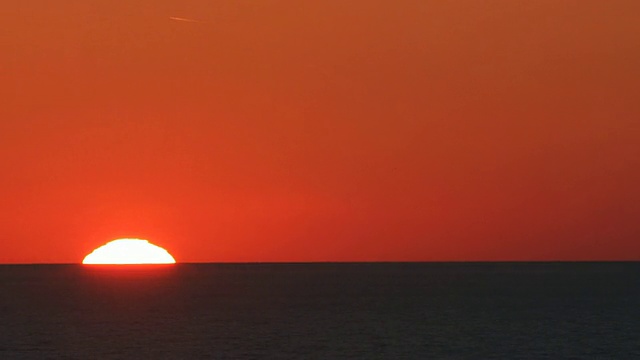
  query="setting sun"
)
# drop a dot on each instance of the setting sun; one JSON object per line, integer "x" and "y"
{"x": 129, "y": 251}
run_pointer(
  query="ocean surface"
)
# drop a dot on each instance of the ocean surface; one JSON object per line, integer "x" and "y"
{"x": 321, "y": 311}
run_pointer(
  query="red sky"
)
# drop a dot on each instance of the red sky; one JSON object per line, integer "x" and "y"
{"x": 321, "y": 130}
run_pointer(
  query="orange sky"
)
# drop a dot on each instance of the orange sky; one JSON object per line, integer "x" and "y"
{"x": 281, "y": 130}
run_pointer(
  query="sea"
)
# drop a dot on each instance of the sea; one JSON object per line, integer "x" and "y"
{"x": 551, "y": 310}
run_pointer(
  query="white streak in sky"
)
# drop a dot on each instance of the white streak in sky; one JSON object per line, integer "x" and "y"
{"x": 184, "y": 19}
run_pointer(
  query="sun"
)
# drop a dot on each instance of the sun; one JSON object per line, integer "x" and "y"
{"x": 129, "y": 251}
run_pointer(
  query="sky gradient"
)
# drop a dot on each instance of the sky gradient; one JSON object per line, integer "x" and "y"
{"x": 321, "y": 131}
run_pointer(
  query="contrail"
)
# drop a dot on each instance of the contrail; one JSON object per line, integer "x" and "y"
{"x": 184, "y": 19}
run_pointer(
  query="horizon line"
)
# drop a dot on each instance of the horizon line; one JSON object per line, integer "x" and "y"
{"x": 344, "y": 262}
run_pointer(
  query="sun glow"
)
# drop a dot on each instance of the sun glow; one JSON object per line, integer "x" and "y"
{"x": 129, "y": 251}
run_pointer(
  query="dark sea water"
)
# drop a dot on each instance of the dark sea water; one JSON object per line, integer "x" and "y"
{"x": 322, "y": 311}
